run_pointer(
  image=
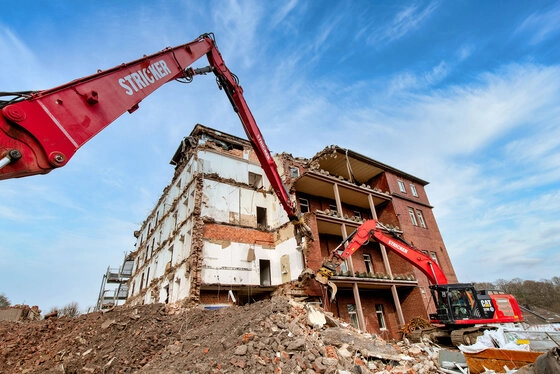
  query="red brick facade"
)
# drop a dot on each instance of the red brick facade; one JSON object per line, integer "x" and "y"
{"x": 390, "y": 290}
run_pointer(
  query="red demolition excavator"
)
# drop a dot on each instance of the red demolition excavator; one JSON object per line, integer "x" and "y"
{"x": 462, "y": 312}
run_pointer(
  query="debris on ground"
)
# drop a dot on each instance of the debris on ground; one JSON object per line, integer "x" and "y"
{"x": 414, "y": 325}
{"x": 20, "y": 313}
{"x": 278, "y": 335}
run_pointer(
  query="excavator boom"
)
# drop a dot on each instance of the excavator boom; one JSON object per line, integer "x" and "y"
{"x": 42, "y": 130}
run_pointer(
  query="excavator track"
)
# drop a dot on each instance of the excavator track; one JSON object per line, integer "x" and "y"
{"x": 467, "y": 336}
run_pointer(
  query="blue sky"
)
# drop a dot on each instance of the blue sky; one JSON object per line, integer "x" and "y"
{"x": 463, "y": 94}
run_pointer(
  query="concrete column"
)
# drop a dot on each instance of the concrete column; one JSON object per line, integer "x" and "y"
{"x": 355, "y": 289}
{"x": 398, "y": 307}
{"x": 372, "y": 206}
{"x": 387, "y": 266}
{"x": 359, "y": 311}
{"x": 343, "y": 227}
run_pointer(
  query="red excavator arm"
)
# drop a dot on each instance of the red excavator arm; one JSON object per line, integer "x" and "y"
{"x": 457, "y": 304}
{"x": 41, "y": 130}
{"x": 374, "y": 230}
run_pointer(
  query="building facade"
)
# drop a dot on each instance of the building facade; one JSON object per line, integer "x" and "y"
{"x": 378, "y": 291}
{"x": 218, "y": 235}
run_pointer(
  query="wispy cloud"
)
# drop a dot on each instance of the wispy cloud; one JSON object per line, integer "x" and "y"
{"x": 542, "y": 25}
{"x": 404, "y": 22}
{"x": 279, "y": 15}
{"x": 238, "y": 22}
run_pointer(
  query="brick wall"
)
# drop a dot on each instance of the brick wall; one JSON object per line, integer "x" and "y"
{"x": 369, "y": 300}
{"x": 237, "y": 234}
{"x": 215, "y": 297}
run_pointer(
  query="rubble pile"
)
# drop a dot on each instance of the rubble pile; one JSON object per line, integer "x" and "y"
{"x": 272, "y": 336}
{"x": 20, "y": 313}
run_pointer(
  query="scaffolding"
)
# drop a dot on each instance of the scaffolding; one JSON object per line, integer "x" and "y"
{"x": 114, "y": 286}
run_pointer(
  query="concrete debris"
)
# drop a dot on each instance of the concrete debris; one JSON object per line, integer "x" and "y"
{"x": 278, "y": 335}
{"x": 20, "y": 313}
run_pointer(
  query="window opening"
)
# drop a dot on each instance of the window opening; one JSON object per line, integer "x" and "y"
{"x": 402, "y": 188}
{"x": 303, "y": 205}
{"x": 261, "y": 217}
{"x": 433, "y": 255}
{"x": 412, "y": 216}
{"x": 421, "y": 218}
{"x": 380, "y": 316}
{"x": 344, "y": 267}
{"x": 255, "y": 180}
{"x": 264, "y": 266}
{"x": 294, "y": 172}
{"x": 413, "y": 189}
{"x": 357, "y": 214}
{"x": 166, "y": 293}
{"x": 353, "y": 315}
{"x": 367, "y": 261}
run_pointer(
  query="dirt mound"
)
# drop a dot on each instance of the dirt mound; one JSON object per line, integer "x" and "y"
{"x": 272, "y": 336}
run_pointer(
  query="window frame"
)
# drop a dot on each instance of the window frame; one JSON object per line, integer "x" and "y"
{"x": 413, "y": 190}
{"x": 306, "y": 205}
{"x": 433, "y": 256}
{"x": 344, "y": 267}
{"x": 412, "y": 216}
{"x": 421, "y": 219}
{"x": 402, "y": 186}
{"x": 379, "y": 311}
{"x": 353, "y": 315}
{"x": 368, "y": 262}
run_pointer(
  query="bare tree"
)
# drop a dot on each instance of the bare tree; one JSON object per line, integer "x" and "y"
{"x": 485, "y": 286}
{"x": 543, "y": 293}
{"x": 4, "y": 301}
{"x": 70, "y": 310}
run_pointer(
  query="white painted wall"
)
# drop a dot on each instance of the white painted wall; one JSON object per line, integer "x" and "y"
{"x": 227, "y": 203}
{"x": 229, "y": 265}
{"x": 224, "y": 203}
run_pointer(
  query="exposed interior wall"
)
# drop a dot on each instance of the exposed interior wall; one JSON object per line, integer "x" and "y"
{"x": 217, "y": 224}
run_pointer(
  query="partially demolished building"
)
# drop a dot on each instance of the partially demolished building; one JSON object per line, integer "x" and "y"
{"x": 219, "y": 236}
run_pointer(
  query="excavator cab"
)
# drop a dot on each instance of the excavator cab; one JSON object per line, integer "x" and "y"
{"x": 459, "y": 304}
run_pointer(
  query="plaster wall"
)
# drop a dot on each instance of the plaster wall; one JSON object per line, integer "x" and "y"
{"x": 229, "y": 167}
{"x": 237, "y": 205}
{"x": 233, "y": 263}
